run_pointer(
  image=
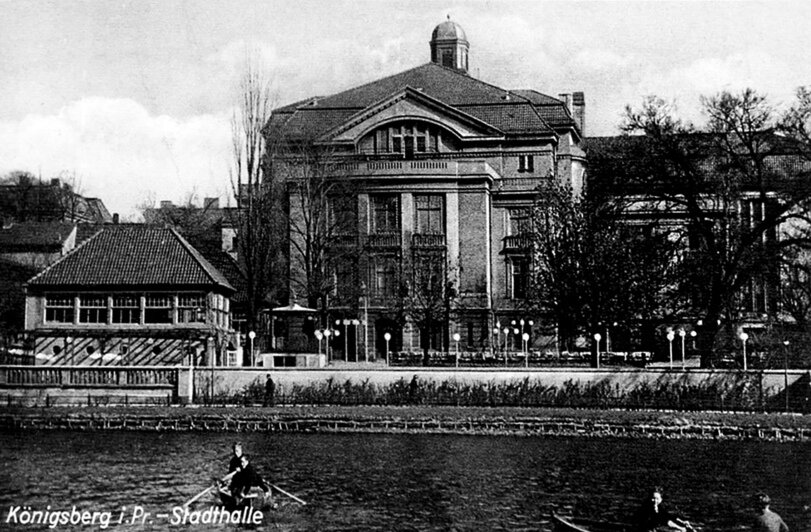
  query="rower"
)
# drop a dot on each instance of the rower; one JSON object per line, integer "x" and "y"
{"x": 236, "y": 459}
{"x": 247, "y": 478}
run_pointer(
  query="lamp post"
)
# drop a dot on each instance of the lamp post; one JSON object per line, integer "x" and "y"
{"x": 683, "y": 334}
{"x": 346, "y": 323}
{"x": 785, "y": 369}
{"x": 525, "y": 338}
{"x": 387, "y": 337}
{"x": 496, "y": 333}
{"x": 744, "y": 337}
{"x": 327, "y": 334}
{"x": 506, "y": 339}
{"x": 356, "y": 322}
{"x": 319, "y": 336}
{"x": 670, "y": 337}
{"x": 251, "y": 336}
{"x": 456, "y": 339}
{"x": 365, "y": 322}
{"x": 597, "y": 338}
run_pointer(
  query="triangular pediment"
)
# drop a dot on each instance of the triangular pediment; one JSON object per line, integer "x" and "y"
{"x": 411, "y": 104}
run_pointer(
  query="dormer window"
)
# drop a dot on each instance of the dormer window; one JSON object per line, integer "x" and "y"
{"x": 526, "y": 163}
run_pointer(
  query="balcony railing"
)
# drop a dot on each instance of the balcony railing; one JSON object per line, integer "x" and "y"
{"x": 423, "y": 240}
{"x": 343, "y": 241}
{"x": 384, "y": 240}
{"x": 518, "y": 184}
{"x": 520, "y": 242}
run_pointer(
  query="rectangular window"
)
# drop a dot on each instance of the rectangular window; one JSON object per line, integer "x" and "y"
{"x": 519, "y": 278}
{"x": 519, "y": 221}
{"x": 345, "y": 281}
{"x": 526, "y": 163}
{"x": 158, "y": 309}
{"x": 384, "y": 276}
{"x": 126, "y": 309}
{"x": 430, "y": 217}
{"x": 92, "y": 309}
{"x": 386, "y": 214}
{"x": 343, "y": 215}
{"x": 191, "y": 308}
{"x": 59, "y": 309}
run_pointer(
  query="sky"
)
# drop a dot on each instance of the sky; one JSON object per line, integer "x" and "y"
{"x": 131, "y": 100}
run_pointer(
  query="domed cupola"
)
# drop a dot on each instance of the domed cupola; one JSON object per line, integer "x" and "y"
{"x": 449, "y": 46}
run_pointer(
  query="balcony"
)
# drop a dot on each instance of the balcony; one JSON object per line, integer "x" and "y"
{"x": 519, "y": 184}
{"x": 515, "y": 243}
{"x": 384, "y": 240}
{"x": 428, "y": 241}
{"x": 343, "y": 241}
{"x": 404, "y": 169}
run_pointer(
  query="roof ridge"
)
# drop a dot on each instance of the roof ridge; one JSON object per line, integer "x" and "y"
{"x": 66, "y": 255}
{"x": 201, "y": 260}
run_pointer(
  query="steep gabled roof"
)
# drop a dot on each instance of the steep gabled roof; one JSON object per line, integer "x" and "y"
{"x": 508, "y": 111}
{"x": 132, "y": 256}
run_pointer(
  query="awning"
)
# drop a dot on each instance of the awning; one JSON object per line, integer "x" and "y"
{"x": 295, "y": 307}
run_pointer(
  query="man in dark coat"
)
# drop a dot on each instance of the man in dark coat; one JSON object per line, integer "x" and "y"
{"x": 654, "y": 514}
{"x": 270, "y": 392}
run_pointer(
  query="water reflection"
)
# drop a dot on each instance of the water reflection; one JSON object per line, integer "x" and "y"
{"x": 409, "y": 482}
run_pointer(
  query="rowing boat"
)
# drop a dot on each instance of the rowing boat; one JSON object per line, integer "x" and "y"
{"x": 578, "y": 524}
{"x": 256, "y": 499}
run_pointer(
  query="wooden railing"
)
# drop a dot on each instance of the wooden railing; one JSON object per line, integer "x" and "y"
{"x": 65, "y": 377}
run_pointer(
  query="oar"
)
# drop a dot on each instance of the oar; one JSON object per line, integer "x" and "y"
{"x": 280, "y": 490}
{"x": 224, "y": 479}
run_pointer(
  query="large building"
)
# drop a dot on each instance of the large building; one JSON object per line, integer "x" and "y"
{"x": 438, "y": 172}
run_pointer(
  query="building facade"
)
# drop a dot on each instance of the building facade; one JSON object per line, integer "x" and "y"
{"x": 438, "y": 171}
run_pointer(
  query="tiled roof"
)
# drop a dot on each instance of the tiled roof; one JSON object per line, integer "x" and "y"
{"x": 35, "y": 236}
{"x": 226, "y": 265}
{"x": 510, "y": 118}
{"x": 132, "y": 256}
{"x": 509, "y": 111}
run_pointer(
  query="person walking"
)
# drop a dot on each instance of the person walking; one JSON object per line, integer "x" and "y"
{"x": 270, "y": 391}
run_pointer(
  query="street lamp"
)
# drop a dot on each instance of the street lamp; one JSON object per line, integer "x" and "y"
{"x": 356, "y": 322}
{"x": 506, "y": 339}
{"x": 670, "y": 337}
{"x": 327, "y": 334}
{"x": 597, "y": 338}
{"x": 683, "y": 334}
{"x": 496, "y": 333}
{"x": 456, "y": 339}
{"x": 346, "y": 323}
{"x": 365, "y": 322}
{"x": 319, "y": 336}
{"x": 387, "y": 337}
{"x": 525, "y": 338}
{"x": 251, "y": 336}
{"x": 785, "y": 369}
{"x": 744, "y": 337}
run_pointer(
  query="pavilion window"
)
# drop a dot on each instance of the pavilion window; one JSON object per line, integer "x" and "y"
{"x": 126, "y": 309}
{"x": 59, "y": 309}
{"x": 191, "y": 308}
{"x": 158, "y": 308}
{"x": 93, "y": 309}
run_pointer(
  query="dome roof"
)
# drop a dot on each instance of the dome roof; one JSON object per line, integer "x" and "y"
{"x": 448, "y": 30}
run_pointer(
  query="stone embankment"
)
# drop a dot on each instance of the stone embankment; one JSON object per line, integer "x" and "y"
{"x": 591, "y": 424}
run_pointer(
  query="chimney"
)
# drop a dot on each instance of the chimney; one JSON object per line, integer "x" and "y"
{"x": 167, "y": 204}
{"x": 211, "y": 203}
{"x": 579, "y": 111}
{"x": 566, "y": 98}
{"x": 115, "y": 218}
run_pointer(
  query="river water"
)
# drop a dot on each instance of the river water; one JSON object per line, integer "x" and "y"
{"x": 401, "y": 482}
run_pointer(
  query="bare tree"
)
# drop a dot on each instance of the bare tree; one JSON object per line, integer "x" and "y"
{"x": 259, "y": 227}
